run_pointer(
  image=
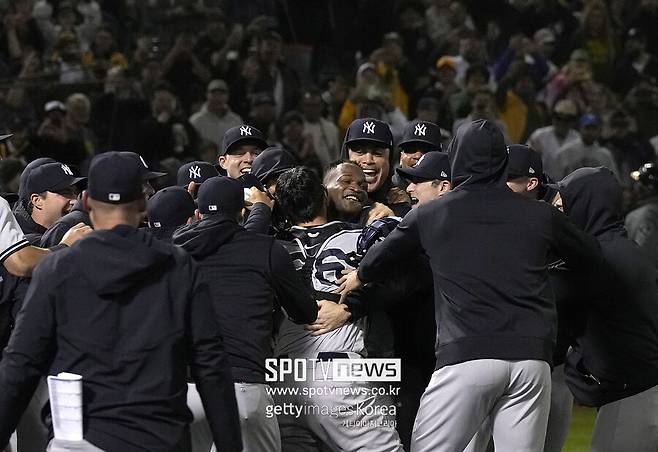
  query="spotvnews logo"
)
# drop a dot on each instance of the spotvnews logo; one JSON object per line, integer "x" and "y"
{"x": 301, "y": 369}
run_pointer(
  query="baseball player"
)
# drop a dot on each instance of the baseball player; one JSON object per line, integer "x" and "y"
{"x": 167, "y": 210}
{"x": 320, "y": 251}
{"x": 418, "y": 138}
{"x": 128, "y": 313}
{"x": 196, "y": 172}
{"x": 614, "y": 362}
{"x": 246, "y": 273}
{"x": 497, "y": 316}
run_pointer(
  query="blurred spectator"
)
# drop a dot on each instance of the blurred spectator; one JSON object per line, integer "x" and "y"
{"x": 117, "y": 112}
{"x": 643, "y": 101}
{"x": 471, "y": 51}
{"x": 67, "y": 60}
{"x": 187, "y": 75}
{"x": 324, "y": 133}
{"x": 263, "y": 114}
{"x": 215, "y": 116}
{"x": 14, "y": 102}
{"x": 78, "y": 110}
{"x": 629, "y": 150}
{"x": 243, "y": 85}
{"x": 443, "y": 88}
{"x": 217, "y": 47}
{"x": 297, "y": 142}
{"x": 416, "y": 44}
{"x": 336, "y": 90}
{"x": 21, "y": 35}
{"x": 577, "y": 69}
{"x": 597, "y": 36}
{"x": 55, "y": 137}
{"x": 644, "y": 18}
{"x": 544, "y": 46}
{"x": 10, "y": 174}
{"x": 165, "y": 134}
{"x": 477, "y": 77}
{"x": 483, "y": 106}
{"x": 387, "y": 60}
{"x": 437, "y": 17}
{"x": 519, "y": 108}
{"x": 21, "y": 146}
{"x": 584, "y": 152}
{"x": 548, "y": 140}
{"x": 103, "y": 54}
{"x": 208, "y": 152}
{"x": 522, "y": 48}
{"x": 150, "y": 76}
{"x": 80, "y": 20}
{"x": 274, "y": 76}
{"x": 636, "y": 63}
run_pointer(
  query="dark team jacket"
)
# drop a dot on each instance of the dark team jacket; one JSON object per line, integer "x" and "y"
{"x": 246, "y": 273}
{"x": 129, "y": 314}
{"x": 55, "y": 233}
{"x": 488, "y": 249}
{"x": 615, "y": 354}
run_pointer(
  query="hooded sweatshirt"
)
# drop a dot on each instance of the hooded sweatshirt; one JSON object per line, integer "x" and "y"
{"x": 246, "y": 272}
{"x": 128, "y": 313}
{"x": 616, "y": 351}
{"x": 488, "y": 249}
{"x": 55, "y": 233}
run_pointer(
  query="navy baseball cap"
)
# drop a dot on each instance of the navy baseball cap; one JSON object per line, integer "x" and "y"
{"x": 22, "y": 185}
{"x": 370, "y": 129}
{"x": 221, "y": 195}
{"x": 115, "y": 178}
{"x": 243, "y": 134}
{"x": 147, "y": 174}
{"x": 51, "y": 177}
{"x": 431, "y": 166}
{"x": 425, "y": 133}
{"x": 523, "y": 161}
{"x": 169, "y": 207}
{"x": 272, "y": 162}
{"x": 197, "y": 171}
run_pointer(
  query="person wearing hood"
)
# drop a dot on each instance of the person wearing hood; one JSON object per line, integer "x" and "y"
{"x": 79, "y": 214}
{"x": 245, "y": 272}
{"x": 135, "y": 381}
{"x": 613, "y": 364}
{"x": 167, "y": 210}
{"x": 369, "y": 143}
{"x": 497, "y": 314}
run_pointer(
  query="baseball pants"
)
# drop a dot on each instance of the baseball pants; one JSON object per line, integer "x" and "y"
{"x": 336, "y": 415}
{"x": 559, "y": 419}
{"x": 259, "y": 433}
{"x": 60, "y": 445}
{"x": 459, "y": 398}
{"x": 629, "y": 424}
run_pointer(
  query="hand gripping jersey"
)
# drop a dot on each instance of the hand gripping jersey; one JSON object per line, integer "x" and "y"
{"x": 321, "y": 253}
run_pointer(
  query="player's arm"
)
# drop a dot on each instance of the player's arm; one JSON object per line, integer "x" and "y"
{"x": 30, "y": 351}
{"x": 295, "y": 296}
{"x": 210, "y": 368}
{"x": 577, "y": 248}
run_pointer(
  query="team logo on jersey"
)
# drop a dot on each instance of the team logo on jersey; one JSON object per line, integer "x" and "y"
{"x": 420, "y": 130}
{"x": 67, "y": 170}
{"x": 369, "y": 127}
{"x": 245, "y": 130}
{"x": 195, "y": 172}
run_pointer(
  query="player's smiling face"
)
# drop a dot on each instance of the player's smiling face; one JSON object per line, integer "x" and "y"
{"x": 373, "y": 160}
{"x": 239, "y": 161}
{"x": 348, "y": 189}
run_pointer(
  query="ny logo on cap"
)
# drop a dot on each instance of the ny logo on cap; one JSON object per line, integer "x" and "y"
{"x": 443, "y": 174}
{"x": 368, "y": 127}
{"x": 67, "y": 170}
{"x": 531, "y": 170}
{"x": 195, "y": 172}
{"x": 245, "y": 130}
{"x": 420, "y": 130}
{"x": 114, "y": 196}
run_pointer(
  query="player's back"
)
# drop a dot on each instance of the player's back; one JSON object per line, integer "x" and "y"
{"x": 321, "y": 253}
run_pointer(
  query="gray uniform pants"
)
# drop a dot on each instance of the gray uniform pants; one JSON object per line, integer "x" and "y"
{"x": 515, "y": 394}
{"x": 259, "y": 433}
{"x": 559, "y": 419}
{"x": 60, "y": 445}
{"x": 629, "y": 424}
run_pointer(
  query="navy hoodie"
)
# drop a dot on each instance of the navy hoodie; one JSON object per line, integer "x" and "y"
{"x": 127, "y": 312}
{"x": 246, "y": 273}
{"x": 616, "y": 350}
{"x": 488, "y": 249}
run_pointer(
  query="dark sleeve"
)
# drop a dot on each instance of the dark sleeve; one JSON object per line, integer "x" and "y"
{"x": 293, "y": 295}
{"x": 54, "y": 234}
{"x": 401, "y": 244}
{"x": 211, "y": 370}
{"x": 30, "y": 351}
{"x": 578, "y": 249}
{"x": 259, "y": 219}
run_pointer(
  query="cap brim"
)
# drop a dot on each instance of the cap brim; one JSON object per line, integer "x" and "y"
{"x": 415, "y": 174}
{"x": 149, "y": 175}
{"x": 253, "y": 140}
{"x": 420, "y": 140}
{"x": 66, "y": 184}
{"x": 5, "y": 137}
{"x": 372, "y": 140}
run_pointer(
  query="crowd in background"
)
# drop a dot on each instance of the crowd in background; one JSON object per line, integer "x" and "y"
{"x": 167, "y": 78}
